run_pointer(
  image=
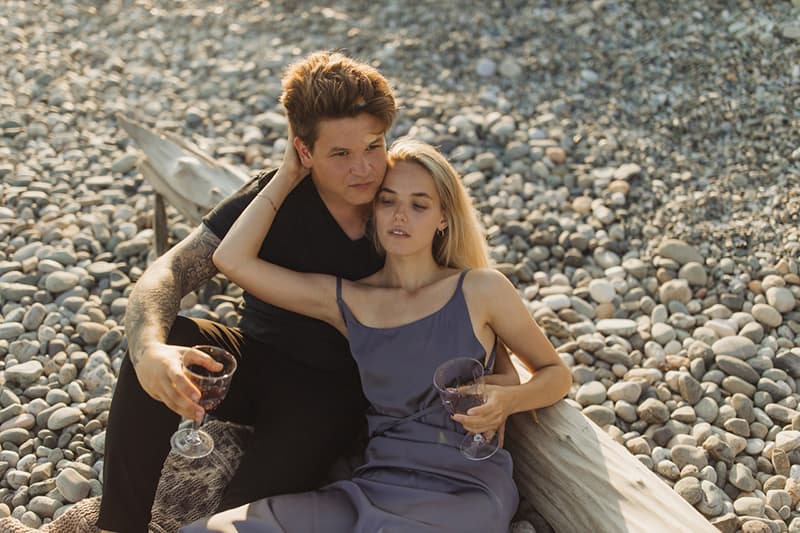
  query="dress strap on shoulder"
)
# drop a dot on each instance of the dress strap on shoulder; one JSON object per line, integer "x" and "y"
{"x": 461, "y": 279}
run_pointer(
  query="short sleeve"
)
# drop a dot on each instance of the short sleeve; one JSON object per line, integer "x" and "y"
{"x": 220, "y": 219}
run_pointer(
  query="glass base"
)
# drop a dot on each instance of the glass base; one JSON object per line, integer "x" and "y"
{"x": 192, "y": 444}
{"x": 477, "y": 448}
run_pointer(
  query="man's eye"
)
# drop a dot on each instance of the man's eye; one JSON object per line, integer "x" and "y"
{"x": 373, "y": 147}
{"x": 339, "y": 154}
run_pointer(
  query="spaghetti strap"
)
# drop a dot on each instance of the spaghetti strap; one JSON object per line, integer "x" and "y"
{"x": 461, "y": 279}
{"x": 488, "y": 364}
{"x": 340, "y": 301}
{"x": 488, "y": 360}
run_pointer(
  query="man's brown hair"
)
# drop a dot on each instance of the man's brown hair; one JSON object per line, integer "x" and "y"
{"x": 330, "y": 85}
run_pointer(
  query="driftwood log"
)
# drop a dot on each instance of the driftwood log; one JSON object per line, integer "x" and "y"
{"x": 575, "y": 476}
{"x": 182, "y": 175}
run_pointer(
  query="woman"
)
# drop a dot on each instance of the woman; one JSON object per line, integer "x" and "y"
{"x": 421, "y": 309}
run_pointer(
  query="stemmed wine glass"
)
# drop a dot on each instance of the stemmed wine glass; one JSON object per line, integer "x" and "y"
{"x": 192, "y": 442}
{"x": 461, "y": 387}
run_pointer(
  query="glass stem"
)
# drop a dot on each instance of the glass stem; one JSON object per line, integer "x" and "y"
{"x": 193, "y": 437}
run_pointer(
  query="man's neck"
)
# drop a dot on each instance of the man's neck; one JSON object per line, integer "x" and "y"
{"x": 351, "y": 218}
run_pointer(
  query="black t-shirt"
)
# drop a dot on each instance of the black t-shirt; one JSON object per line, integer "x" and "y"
{"x": 306, "y": 238}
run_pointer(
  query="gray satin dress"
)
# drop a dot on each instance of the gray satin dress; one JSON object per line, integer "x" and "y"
{"x": 414, "y": 478}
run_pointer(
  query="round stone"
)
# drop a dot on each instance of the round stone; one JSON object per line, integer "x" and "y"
{"x": 25, "y": 373}
{"x": 675, "y": 290}
{"x": 59, "y": 282}
{"x": 788, "y": 440}
{"x": 781, "y": 299}
{"x": 628, "y": 391}
{"x": 736, "y": 367}
{"x": 690, "y": 389}
{"x": 741, "y": 477}
{"x": 735, "y": 384}
{"x": 556, "y": 302}
{"x": 653, "y": 411}
{"x": 91, "y": 332}
{"x": 73, "y": 486}
{"x": 64, "y": 417}
{"x": 600, "y": 415}
{"x": 100, "y": 269}
{"x": 592, "y": 393}
{"x": 689, "y": 489}
{"x": 694, "y": 273}
{"x": 684, "y": 414}
{"x": 601, "y": 291}
{"x": 707, "y": 409}
{"x": 14, "y": 435}
{"x": 485, "y": 67}
{"x": 712, "y": 503}
{"x": 679, "y": 251}
{"x": 44, "y": 506}
{"x": 767, "y": 315}
{"x": 662, "y": 333}
{"x": 753, "y": 331}
{"x": 582, "y": 204}
{"x": 616, "y": 326}
{"x": 683, "y": 455}
{"x": 11, "y": 330}
{"x": 735, "y": 346}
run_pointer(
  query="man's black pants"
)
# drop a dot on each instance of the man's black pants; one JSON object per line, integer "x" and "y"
{"x": 304, "y": 418}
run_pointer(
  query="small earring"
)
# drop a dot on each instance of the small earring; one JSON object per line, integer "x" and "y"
{"x": 439, "y": 232}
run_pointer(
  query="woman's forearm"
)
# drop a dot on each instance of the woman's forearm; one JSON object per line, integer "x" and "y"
{"x": 243, "y": 241}
{"x": 547, "y": 386}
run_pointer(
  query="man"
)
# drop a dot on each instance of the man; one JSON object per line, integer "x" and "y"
{"x": 296, "y": 382}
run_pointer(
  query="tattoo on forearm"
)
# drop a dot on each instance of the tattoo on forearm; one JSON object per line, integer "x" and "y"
{"x": 156, "y": 308}
{"x": 193, "y": 266}
{"x": 155, "y": 301}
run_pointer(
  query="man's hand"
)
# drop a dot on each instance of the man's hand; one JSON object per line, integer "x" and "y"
{"x": 161, "y": 374}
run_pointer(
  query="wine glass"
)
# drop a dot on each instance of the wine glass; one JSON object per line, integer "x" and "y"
{"x": 192, "y": 442}
{"x": 461, "y": 387}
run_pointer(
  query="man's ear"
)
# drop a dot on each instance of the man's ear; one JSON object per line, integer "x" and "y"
{"x": 303, "y": 153}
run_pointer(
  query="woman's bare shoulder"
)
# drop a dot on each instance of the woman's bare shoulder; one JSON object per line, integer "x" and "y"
{"x": 486, "y": 281}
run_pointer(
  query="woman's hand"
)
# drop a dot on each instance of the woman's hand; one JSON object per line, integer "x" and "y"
{"x": 291, "y": 168}
{"x": 490, "y": 417}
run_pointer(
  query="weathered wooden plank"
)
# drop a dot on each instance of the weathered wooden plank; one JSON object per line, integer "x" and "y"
{"x": 160, "y": 224}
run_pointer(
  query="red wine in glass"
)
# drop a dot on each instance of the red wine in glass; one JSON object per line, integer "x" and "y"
{"x": 211, "y": 392}
{"x": 460, "y": 385}
{"x": 193, "y": 442}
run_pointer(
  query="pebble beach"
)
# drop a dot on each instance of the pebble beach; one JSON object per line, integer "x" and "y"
{"x": 636, "y": 165}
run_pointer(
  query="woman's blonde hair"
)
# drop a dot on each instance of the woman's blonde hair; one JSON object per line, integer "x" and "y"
{"x": 462, "y": 243}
